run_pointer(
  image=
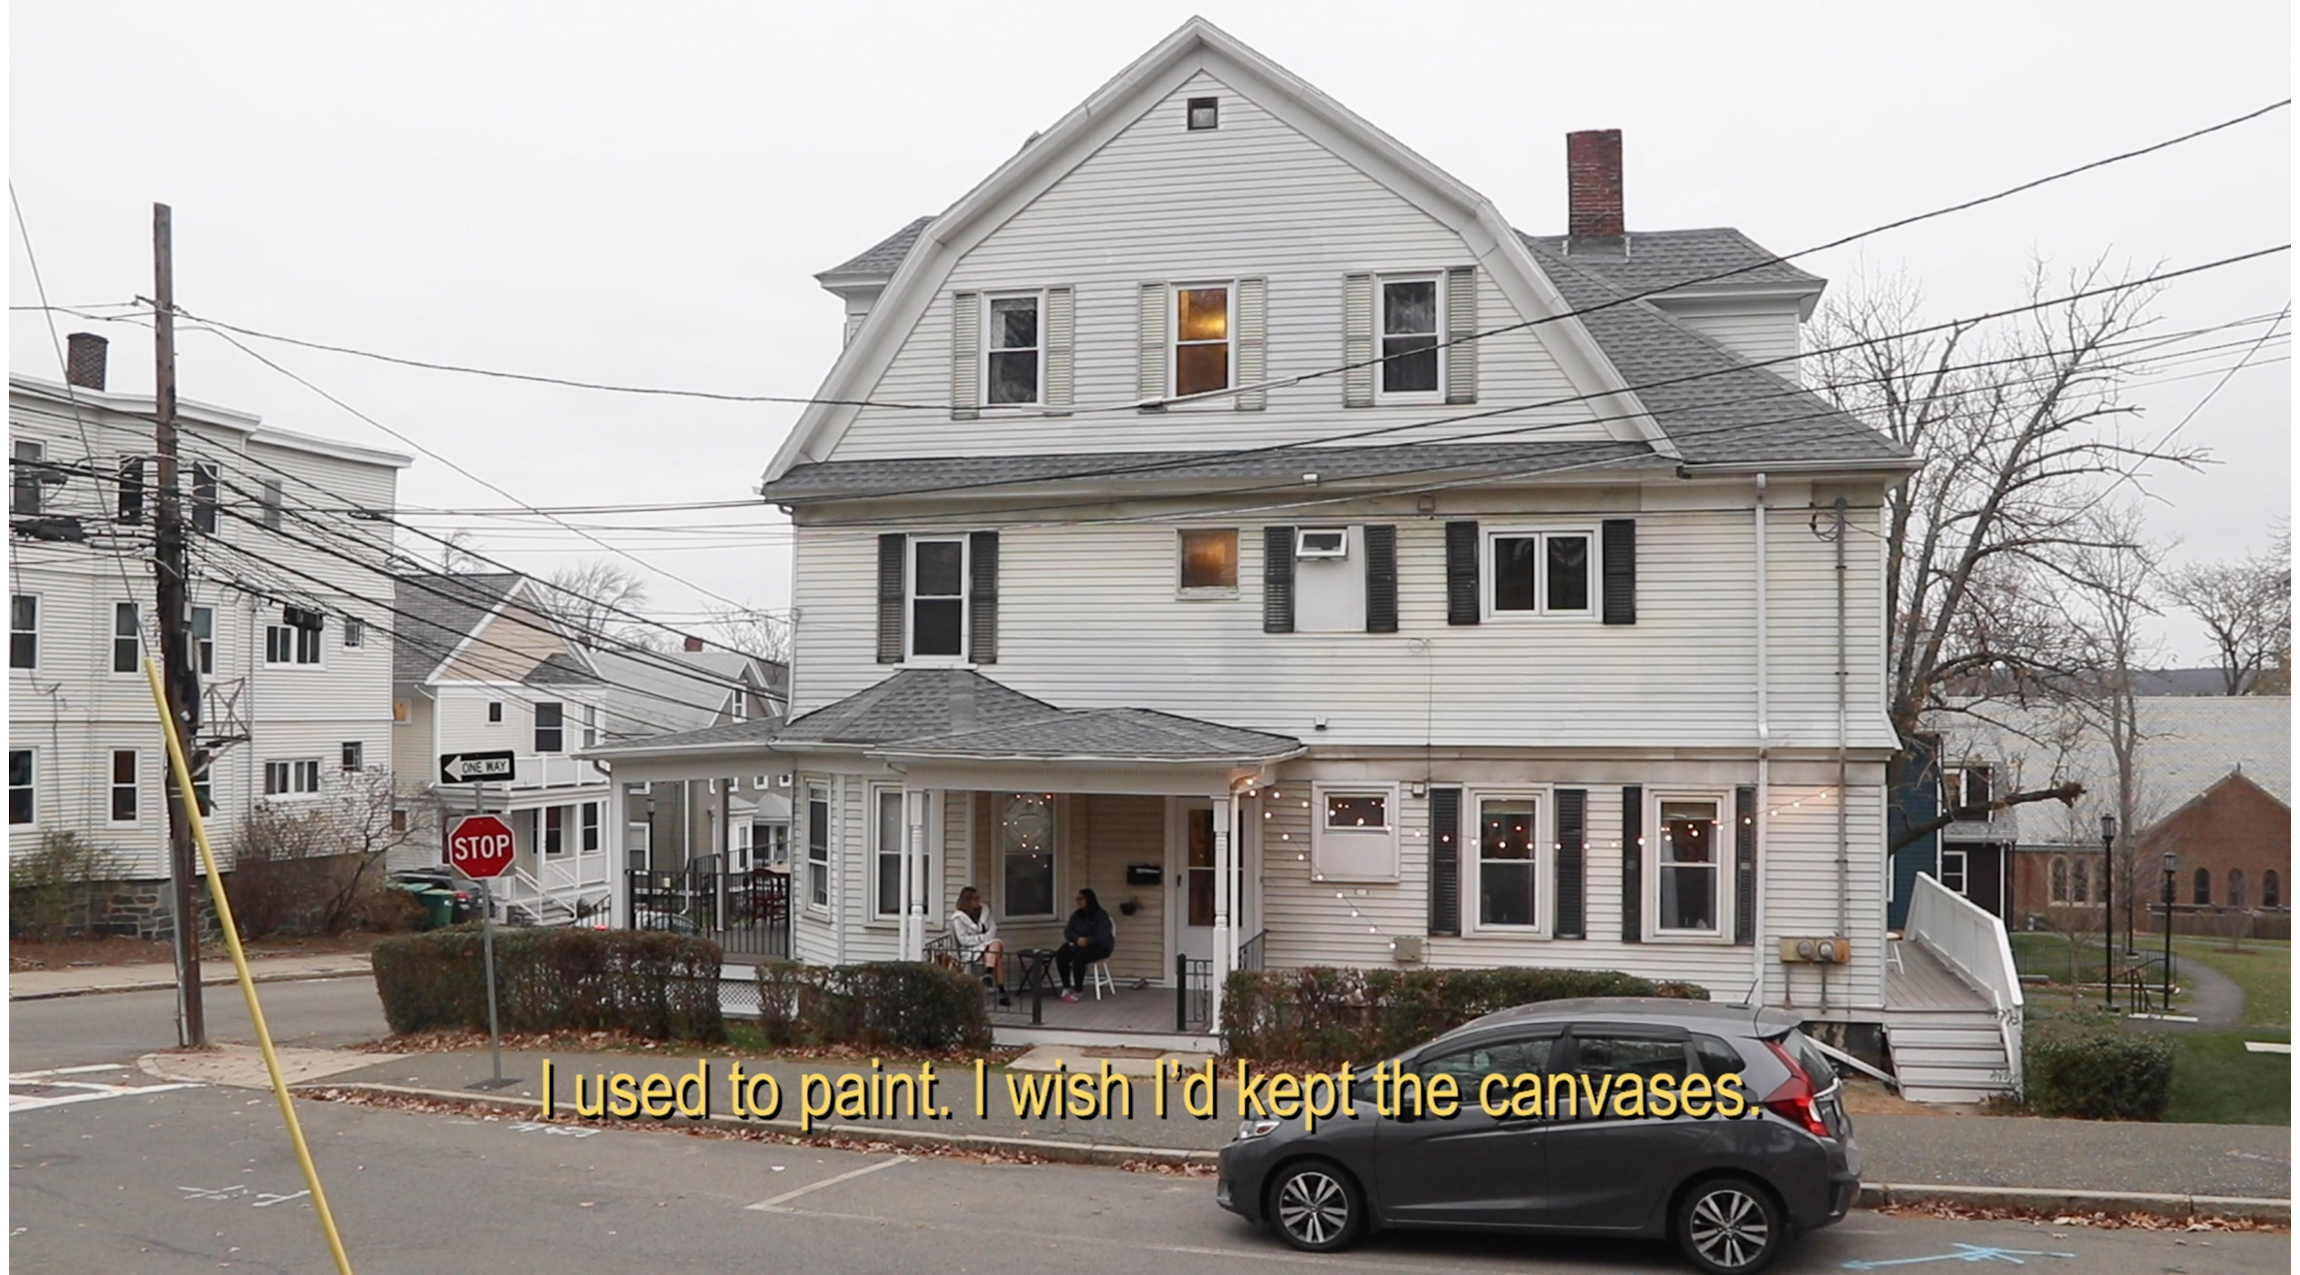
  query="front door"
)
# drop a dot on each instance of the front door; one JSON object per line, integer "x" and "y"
{"x": 1190, "y": 868}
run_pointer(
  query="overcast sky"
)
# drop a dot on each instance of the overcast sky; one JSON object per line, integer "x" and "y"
{"x": 642, "y": 194}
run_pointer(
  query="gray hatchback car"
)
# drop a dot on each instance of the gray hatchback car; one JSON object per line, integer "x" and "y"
{"x": 1732, "y": 1191}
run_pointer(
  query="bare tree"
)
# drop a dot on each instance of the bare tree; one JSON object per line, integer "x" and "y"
{"x": 302, "y": 868}
{"x": 595, "y": 599}
{"x": 2246, "y": 605}
{"x": 2117, "y": 569}
{"x": 2017, "y": 431}
{"x": 755, "y": 632}
{"x": 458, "y": 551}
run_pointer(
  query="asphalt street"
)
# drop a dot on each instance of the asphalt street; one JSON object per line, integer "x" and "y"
{"x": 200, "y": 1178}
{"x": 120, "y": 1026}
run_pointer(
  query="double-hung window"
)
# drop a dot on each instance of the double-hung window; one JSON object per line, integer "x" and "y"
{"x": 124, "y": 785}
{"x": 23, "y": 630}
{"x": 819, "y": 845}
{"x": 588, "y": 835}
{"x": 1689, "y": 878}
{"x": 354, "y": 631}
{"x": 354, "y": 755}
{"x": 206, "y": 480}
{"x": 204, "y": 639}
{"x": 291, "y": 778}
{"x": 937, "y": 597}
{"x": 295, "y": 638}
{"x": 1541, "y": 572}
{"x": 1011, "y": 352}
{"x": 21, "y": 803}
{"x": 1409, "y": 334}
{"x": 127, "y": 644}
{"x": 204, "y": 784}
{"x": 25, "y": 473}
{"x": 554, "y": 830}
{"x": 274, "y": 502}
{"x": 1953, "y": 870}
{"x": 131, "y": 503}
{"x": 1202, "y": 348}
{"x": 890, "y": 834}
{"x": 1026, "y": 853}
{"x": 550, "y": 726}
{"x": 1509, "y": 861}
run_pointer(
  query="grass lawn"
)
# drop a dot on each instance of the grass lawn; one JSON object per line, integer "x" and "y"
{"x": 2215, "y": 1081}
{"x": 2262, "y": 969}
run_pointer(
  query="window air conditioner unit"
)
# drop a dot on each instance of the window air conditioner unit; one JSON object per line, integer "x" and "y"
{"x": 1323, "y": 542}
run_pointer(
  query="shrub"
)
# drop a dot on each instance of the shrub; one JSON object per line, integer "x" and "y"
{"x": 1322, "y": 1016}
{"x": 2097, "y": 1072}
{"x": 885, "y": 1005}
{"x": 57, "y": 890}
{"x": 661, "y": 986}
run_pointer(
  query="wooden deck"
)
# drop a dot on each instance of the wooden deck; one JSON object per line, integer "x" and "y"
{"x": 1924, "y": 982}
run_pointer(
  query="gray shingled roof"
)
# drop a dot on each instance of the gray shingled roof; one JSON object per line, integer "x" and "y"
{"x": 725, "y": 734}
{"x": 1645, "y": 261}
{"x": 883, "y": 257}
{"x": 563, "y": 669}
{"x": 437, "y": 611}
{"x": 1123, "y": 734}
{"x": 1717, "y": 407}
{"x": 837, "y": 479}
{"x": 912, "y": 704}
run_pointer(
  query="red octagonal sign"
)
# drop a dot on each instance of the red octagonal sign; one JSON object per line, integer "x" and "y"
{"x": 480, "y": 846}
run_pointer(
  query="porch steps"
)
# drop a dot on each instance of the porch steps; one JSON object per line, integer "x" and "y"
{"x": 1948, "y": 1056}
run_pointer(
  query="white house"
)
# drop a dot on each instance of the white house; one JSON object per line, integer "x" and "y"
{"x": 1326, "y": 572}
{"x": 287, "y": 625}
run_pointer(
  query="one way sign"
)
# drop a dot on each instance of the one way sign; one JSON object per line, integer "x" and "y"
{"x": 475, "y": 768}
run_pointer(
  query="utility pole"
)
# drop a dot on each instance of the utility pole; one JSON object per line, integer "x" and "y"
{"x": 177, "y": 672}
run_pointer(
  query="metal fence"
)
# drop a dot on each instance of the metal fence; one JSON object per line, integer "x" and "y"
{"x": 1193, "y": 993}
{"x": 747, "y": 913}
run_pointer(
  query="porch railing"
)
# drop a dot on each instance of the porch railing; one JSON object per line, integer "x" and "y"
{"x": 746, "y": 913}
{"x": 1250, "y": 952}
{"x": 1193, "y": 993}
{"x": 1972, "y": 942}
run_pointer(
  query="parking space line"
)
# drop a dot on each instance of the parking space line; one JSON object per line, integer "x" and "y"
{"x": 770, "y": 1204}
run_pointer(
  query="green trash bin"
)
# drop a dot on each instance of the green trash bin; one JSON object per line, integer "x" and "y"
{"x": 439, "y": 903}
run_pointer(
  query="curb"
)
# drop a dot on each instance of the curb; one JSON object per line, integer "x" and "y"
{"x": 169, "y": 985}
{"x": 2049, "y": 1200}
{"x": 1873, "y": 1194}
{"x": 1105, "y": 1154}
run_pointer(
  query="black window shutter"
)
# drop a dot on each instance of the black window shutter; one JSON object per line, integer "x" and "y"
{"x": 1445, "y": 861}
{"x": 890, "y": 596}
{"x": 1277, "y": 579}
{"x": 1461, "y": 573}
{"x": 1745, "y": 865}
{"x": 1620, "y": 552}
{"x": 982, "y": 605}
{"x": 1382, "y": 579}
{"x": 1572, "y": 825}
{"x": 1633, "y": 864}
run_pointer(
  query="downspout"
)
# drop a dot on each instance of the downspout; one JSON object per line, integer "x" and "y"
{"x": 1764, "y": 755}
{"x": 1844, "y": 673}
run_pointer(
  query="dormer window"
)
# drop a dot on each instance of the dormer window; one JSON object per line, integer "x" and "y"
{"x": 1205, "y": 114}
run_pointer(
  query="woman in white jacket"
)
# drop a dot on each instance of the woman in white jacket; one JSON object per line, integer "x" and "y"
{"x": 977, "y": 935}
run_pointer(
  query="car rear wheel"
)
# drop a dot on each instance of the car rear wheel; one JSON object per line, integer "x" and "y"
{"x": 1317, "y": 1207}
{"x": 1729, "y": 1226}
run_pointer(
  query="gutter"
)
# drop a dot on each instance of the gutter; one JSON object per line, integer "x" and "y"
{"x": 1764, "y": 750}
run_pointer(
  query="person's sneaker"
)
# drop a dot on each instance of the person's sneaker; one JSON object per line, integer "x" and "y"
{"x": 1069, "y": 995}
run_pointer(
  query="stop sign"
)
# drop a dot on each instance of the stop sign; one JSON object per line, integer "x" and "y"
{"x": 480, "y": 846}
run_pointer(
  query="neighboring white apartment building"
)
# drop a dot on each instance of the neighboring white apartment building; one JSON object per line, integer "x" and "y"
{"x": 288, "y": 619}
{"x": 1325, "y": 572}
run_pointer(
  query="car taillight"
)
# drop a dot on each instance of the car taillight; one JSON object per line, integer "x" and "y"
{"x": 1793, "y": 1101}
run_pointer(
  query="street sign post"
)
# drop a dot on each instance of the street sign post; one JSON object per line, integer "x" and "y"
{"x": 477, "y": 768}
{"x": 480, "y": 847}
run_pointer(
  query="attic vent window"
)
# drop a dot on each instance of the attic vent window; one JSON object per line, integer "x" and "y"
{"x": 1330, "y": 542}
{"x": 1205, "y": 114}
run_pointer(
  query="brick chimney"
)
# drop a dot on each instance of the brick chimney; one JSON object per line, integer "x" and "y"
{"x": 84, "y": 360}
{"x": 1593, "y": 184}
{"x": 694, "y": 645}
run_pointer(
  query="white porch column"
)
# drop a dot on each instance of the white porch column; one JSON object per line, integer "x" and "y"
{"x": 913, "y": 934}
{"x": 618, "y": 863}
{"x": 1225, "y": 906}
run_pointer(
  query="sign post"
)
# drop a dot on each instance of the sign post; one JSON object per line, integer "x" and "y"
{"x": 480, "y": 847}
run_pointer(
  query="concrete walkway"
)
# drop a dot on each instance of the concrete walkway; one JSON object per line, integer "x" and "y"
{"x": 1976, "y": 1152}
{"x": 26, "y": 985}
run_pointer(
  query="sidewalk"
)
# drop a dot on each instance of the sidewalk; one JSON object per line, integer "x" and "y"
{"x": 30, "y": 985}
{"x": 2066, "y": 1157}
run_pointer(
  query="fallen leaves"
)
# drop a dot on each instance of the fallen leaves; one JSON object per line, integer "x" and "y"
{"x": 2097, "y": 1220}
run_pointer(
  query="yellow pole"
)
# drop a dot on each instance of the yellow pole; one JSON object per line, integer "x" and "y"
{"x": 183, "y": 772}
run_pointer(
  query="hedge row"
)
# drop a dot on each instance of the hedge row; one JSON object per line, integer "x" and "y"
{"x": 661, "y": 986}
{"x": 884, "y": 1005}
{"x": 1322, "y": 1016}
{"x": 2097, "y": 1072}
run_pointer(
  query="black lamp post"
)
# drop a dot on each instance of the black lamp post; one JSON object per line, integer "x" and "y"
{"x": 2169, "y": 862}
{"x": 2108, "y": 907}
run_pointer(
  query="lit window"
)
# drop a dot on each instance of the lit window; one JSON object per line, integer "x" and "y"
{"x": 1205, "y": 113}
{"x": 1210, "y": 558}
{"x": 1687, "y": 883}
{"x": 1409, "y": 336}
{"x": 938, "y": 597}
{"x": 1201, "y": 340}
{"x": 124, "y": 785}
{"x": 1012, "y": 351}
{"x": 1541, "y": 573}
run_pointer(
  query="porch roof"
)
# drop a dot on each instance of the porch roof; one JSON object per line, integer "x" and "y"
{"x": 1102, "y": 735}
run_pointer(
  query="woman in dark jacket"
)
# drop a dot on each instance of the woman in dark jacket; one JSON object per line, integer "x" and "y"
{"x": 1089, "y": 937}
